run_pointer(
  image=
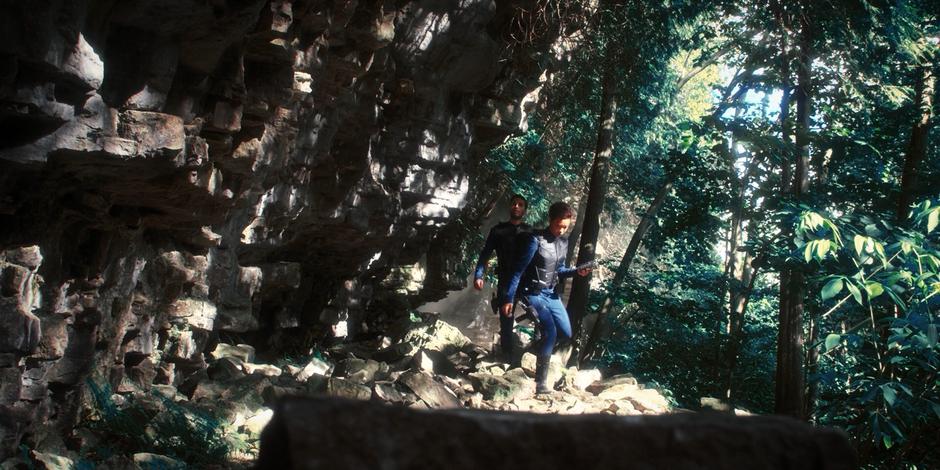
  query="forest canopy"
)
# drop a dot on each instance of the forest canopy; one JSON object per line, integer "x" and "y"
{"x": 760, "y": 181}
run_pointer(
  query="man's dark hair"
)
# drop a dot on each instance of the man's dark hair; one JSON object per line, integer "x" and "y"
{"x": 519, "y": 197}
{"x": 560, "y": 210}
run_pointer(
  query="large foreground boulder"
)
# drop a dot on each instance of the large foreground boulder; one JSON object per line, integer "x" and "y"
{"x": 321, "y": 433}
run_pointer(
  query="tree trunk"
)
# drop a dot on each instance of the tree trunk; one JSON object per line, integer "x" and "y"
{"x": 783, "y": 296}
{"x": 628, "y": 256}
{"x": 575, "y": 235}
{"x": 917, "y": 147}
{"x": 738, "y": 306}
{"x": 597, "y": 192}
{"x": 724, "y": 323}
{"x": 739, "y": 285}
{"x": 788, "y": 397}
{"x": 564, "y": 289}
{"x": 812, "y": 367}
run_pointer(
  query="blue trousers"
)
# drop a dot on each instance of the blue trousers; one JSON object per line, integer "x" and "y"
{"x": 553, "y": 319}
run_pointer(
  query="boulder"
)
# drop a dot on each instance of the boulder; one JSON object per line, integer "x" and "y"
{"x": 52, "y": 461}
{"x": 386, "y": 391}
{"x": 322, "y": 433}
{"x": 507, "y": 387}
{"x": 623, "y": 408}
{"x": 618, "y": 392}
{"x": 316, "y": 366}
{"x": 258, "y": 421}
{"x": 242, "y": 393}
{"x": 347, "y": 389}
{"x": 435, "y": 394}
{"x": 148, "y": 461}
{"x": 262, "y": 369}
{"x": 226, "y": 368}
{"x": 581, "y": 379}
{"x": 649, "y": 401}
{"x": 601, "y": 385}
{"x": 363, "y": 371}
{"x": 436, "y": 335}
{"x": 435, "y": 362}
{"x": 423, "y": 362}
{"x": 243, "y": 352}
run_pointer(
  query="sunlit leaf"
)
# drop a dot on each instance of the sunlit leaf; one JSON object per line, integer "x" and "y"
{"x": 906, "y": 247}
{"x": 874, "y": 289}
{"x": 889, "y": 394}
{"x": 859, "y": 244}
{"x": 832, "y": 288}
{"x": 832, "y": 340}
{"x": 888, "y": 442}
{"x": 880, "y": 249}
{"x": 857, "y": 294}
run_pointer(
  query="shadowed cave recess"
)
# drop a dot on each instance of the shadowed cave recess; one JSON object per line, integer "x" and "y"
{"x": 176, "y": 174}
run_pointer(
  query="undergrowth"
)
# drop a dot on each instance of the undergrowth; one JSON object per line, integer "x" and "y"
{"x": 174, "y": 430}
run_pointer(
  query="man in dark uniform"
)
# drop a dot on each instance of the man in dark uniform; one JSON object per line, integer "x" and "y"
{"x": 539, "y": 263}
{"x": 503, "y": 239}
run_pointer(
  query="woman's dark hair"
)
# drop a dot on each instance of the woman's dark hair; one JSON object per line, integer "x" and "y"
{"x": 560, "y": 210}
{"x": 519, "y": 197}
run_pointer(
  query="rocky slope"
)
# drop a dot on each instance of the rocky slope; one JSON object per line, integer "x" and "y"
{"x": 428, "y": 364}
{"x": 179, "y": 174}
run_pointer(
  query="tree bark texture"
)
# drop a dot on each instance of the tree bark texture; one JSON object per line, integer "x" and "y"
{"x": 740, "y": 295}
{"x": 597, "y": 192}
{"x": 564, "y": 286}
{"x": 917, "y": 147}
{"x": 789, "y": 388}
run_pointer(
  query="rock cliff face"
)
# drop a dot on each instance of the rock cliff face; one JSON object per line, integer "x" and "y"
{"x": 173, "y": 171}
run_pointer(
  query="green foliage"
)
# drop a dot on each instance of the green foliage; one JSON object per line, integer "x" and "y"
{"x": 880, "y": 363}
{"x": 869, "y": 281}
{"x": 161, "y": 426}
{"x": 658, "y": 323}
{"x": 520, "y": 160}
{"x": 717, "y": 135}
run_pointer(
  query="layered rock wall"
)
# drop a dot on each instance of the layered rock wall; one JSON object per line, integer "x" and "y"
{"x": 173, "y": 171}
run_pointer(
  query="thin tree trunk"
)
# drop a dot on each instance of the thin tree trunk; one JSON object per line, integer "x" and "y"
{"x": 628, "y": 256}
{"x": 783, "y": 308}
{"x": 565, "y": 285}
{"x": 812, "y": 367}
{"x": 738, "y": 308}
{"x": 917, "y": 147}
{"x": 739, "y": 286}
{"x": 597, "y": 192}
{"x": 737, "y": 188}
{"x": 788, "y": 398}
